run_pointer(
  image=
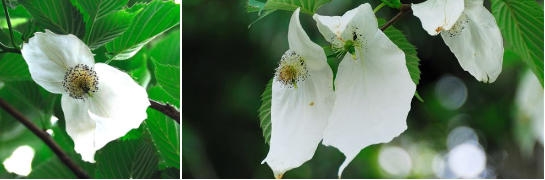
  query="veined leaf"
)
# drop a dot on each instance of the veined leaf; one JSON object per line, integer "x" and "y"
{"x": 58, "y": 16}
{"x": 265, "y": 112}
{"x": 154, "y": 19}
{"x": 521, "y": 24}
{"x": 104, "y": 20}
{"x": 168, "y": 77}
{"x": 126, "y": 159}
{"x": 165, "y": 135}
{"x": 13, "y": 68}
{"x": 307, "y": 6}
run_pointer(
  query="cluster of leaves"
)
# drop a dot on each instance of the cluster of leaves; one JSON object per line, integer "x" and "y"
{"x": 520, "y": 22}
{"x": 143, "y": 33}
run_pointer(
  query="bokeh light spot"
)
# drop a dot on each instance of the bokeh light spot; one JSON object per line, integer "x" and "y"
{"x": 20, "y": 161}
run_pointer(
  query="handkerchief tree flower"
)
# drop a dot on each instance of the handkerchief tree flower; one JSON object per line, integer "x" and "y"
{"x": 373, "y": 88}
{"x": 302, "y": 94}
{"x": 469, "y": 30}
{"x": 100, "y": 103}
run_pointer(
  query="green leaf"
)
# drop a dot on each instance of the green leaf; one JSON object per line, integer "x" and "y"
{"x": 521, "y": 24}
{"x": 136, "y": 67}
{"x": 168, "y": 78}
{"x": 52, "y": 168}
{"x": 167, "y": 49}
{"x": 154, "y": 19}
{"x": 157, "y": 93}
{"x": 254, "y": 6}
{"x": 58, "y": 16}
{"x": 411, "y": 57}
{"x": 13, "y": 68}
{"x": 126, "y": 159}
{"x": 265, "y": 112}
{"x": 103, "y": 20}
{"x": 165, "y": 135}
{"x": 392, "y": 3}
{"x": 307, "y": 6}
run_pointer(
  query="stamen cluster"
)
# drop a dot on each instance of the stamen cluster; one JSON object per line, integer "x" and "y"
{"x": 292, "y": 69}
{"x": 80, "y": 81}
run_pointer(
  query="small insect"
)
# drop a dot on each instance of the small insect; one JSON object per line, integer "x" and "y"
{"x": 354, "y": 36}
{"x": 439, "y": 29}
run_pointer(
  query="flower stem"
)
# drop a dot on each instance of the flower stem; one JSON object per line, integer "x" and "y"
{"x": 9, "y": 23}
{"x": 402, "y": 10}
{"x": 166, "y": 109}
{"x": 78, "y": 171}
{"x": 378, "y": 7}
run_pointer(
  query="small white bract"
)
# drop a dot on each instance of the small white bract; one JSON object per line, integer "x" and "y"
{"x": 100, "y": 103}
{"x": 469, "y": 30}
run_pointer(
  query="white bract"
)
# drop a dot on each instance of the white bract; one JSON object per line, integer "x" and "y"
{"x": 469, "y": 30}
{"x": 302, "y": 93}
{"x": 373, "y": 88}
{"x": 100, "y": 103}
{"x": 529, "y": 103}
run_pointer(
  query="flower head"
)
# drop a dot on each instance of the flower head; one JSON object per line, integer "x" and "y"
{"x": 100, "y": 103}
{"x": 302, "y": 93}
{"x": 469, "y": 30}
{"x": 373, "y": 88}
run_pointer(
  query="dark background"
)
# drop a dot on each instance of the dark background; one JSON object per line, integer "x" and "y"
{"x": 226, "y": 66}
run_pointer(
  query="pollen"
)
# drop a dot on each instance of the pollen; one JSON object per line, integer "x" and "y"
{"x": 80, "y": 81}
{"x": 292, "y": 69}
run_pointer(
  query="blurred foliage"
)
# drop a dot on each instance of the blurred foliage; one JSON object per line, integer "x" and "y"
{"x": 228, "y": 66}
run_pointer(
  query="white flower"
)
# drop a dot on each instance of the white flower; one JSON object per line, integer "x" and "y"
{"x": 529, "y": 103}
{"x": 469, "y": 30}
{"x": 100, "y": 103}
{"x": 373, "y": 88}
{"x": 302, "y": 93}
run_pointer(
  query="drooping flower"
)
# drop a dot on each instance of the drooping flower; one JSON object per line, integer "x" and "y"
{"x": 100, "y": 103}
{"x": 529, "y": 106}
{"x": 469, "y": 30}
{"x": 302, "y": 93}
{"x": 373, "y": 88}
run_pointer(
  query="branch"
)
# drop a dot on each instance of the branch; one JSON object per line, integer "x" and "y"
{"x": 166, "y": 109}
{"x": 80, "y": 173}
{"x": 405, "y": 8}
{"x": 9, "y": 23}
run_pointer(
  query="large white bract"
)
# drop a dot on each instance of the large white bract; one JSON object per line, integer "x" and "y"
{"x": 373, "y": 88}
{"x": 469, "y": 30}
{"x": 302, "y": 93}
{"x": 100, "y": 103}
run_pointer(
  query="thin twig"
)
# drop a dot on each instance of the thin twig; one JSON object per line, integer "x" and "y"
{"x": 78, "y": 171}
{"x": 405, "y": 8}
{"x": 9, "y": 23}
{"x": 166, "y": 109}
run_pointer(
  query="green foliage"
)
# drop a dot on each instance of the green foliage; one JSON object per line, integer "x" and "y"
{"x": 165, "y": 135}
{"x": 104, "y": 20}
{"x": 126, "y": 159}
{"x": 265, "y": 112}
{"x": 411, "y": 57}
{"x": 307, "y": 6}
{"x": 267, "y": 8}
{"x": 13, "y": 68}
{"x": 58, "y": 16}
{"x": 168, "y": 78}
{"x": 521, "y": 24}
{"x": 154, "y": 19}
{"x": 392, "y": 3}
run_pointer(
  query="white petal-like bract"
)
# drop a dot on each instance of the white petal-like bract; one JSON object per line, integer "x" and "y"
{"x": 373, "y": 91}
{"x": 477, "y": 43}
{"x": 438, "y": 15}
{"x": 49, "y": 55}
{"x": 119, "y": 105}
{"x": 299, "y": 113}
